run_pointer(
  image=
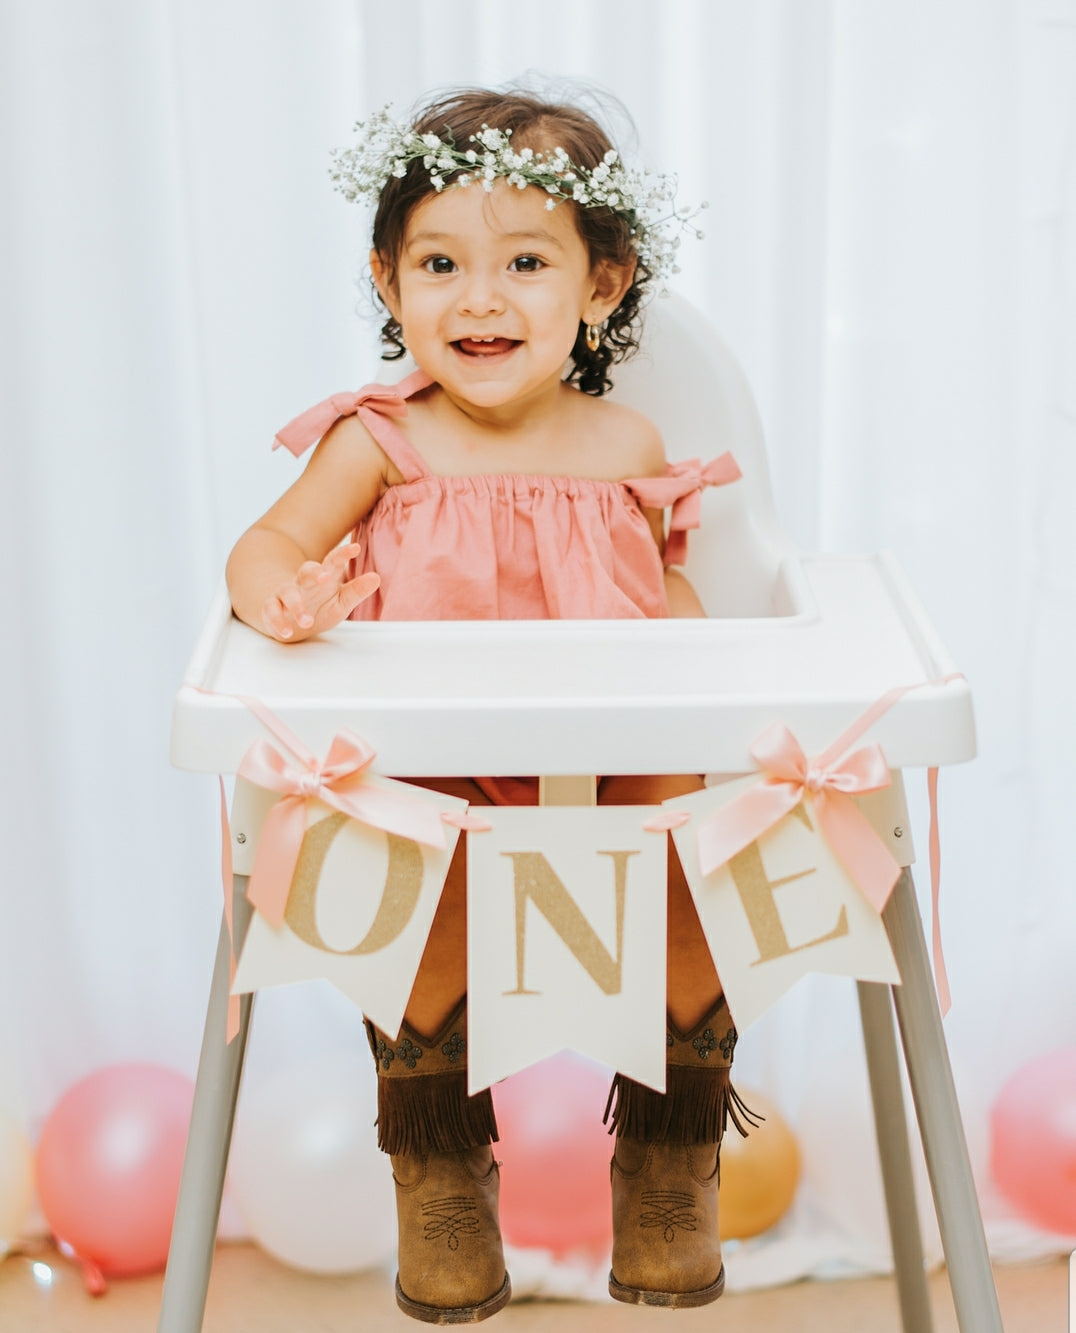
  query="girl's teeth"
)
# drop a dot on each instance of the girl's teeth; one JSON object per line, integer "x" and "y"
{"x": 485, "y": 346}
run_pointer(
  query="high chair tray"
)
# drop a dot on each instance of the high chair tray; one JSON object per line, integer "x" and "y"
{"x": 611, "y": 696}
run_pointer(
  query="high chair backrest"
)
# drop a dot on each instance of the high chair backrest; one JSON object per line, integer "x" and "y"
{"x": 685, "y": 379}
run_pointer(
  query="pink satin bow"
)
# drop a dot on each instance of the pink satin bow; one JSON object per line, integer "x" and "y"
{"x": 682, "y": 488}
{"x": 687, "y": 508}
{"x": 831, "y": 783}
{"x": 339, "y": 782}
{"x": 371, "y": 404}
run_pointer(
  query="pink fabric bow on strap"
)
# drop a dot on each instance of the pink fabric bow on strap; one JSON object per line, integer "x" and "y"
{"x": 371, "y": 404}
{"x": 340, "y": 782}
{"x": 831, "y": 782}
{"x": 682, "y": 488}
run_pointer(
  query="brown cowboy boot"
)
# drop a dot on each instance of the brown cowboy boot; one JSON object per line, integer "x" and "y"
{"x": 666, "y": 1166}
{"x": 451, "y": 1260}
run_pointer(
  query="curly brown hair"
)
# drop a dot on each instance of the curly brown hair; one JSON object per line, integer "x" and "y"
{"x": 541, "y": 125}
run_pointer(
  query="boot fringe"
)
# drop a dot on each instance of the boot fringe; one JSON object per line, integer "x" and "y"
{"x": 433, "y": 1113}
{"x": 737, "y": 1110}
{"x": 695, "y": 1107}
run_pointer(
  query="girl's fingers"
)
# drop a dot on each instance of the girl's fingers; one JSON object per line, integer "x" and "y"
{"x": 351, "y": 594}
{"x": 294, "y": 603}
{"x": 340, "y": 557}
{"x": 276, "y": 619}
{"x": 318, "y": 594}
{"x": 310, "y": 573}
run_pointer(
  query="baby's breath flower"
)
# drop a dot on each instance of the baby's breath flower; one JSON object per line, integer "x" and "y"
{"x": 645, "y": 199}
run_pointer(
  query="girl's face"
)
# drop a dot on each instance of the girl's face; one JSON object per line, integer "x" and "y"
{"x": 489, "y": 290}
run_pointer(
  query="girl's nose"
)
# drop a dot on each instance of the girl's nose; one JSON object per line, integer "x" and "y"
{"x": 481, "y": 294}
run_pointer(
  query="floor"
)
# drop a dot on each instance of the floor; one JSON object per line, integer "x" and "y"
{"x": 251, "y": 1293}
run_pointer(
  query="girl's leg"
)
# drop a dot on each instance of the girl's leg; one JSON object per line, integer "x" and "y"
{"x": 451, "y": 1260}
{"x": 442, "y": 975}
{"x": 666, "y": 1244}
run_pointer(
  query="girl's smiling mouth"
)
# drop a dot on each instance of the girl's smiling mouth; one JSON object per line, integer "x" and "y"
{"x": 484, "y": 347}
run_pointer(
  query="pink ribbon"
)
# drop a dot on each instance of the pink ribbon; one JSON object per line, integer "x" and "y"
{"x": 340, "y": 781}
{"x": 682, "y": 488}
{"x": 372, "y": 404}
{"x": 326, "y": 781}
{"x": 233, "y": 1014}
{"x": 687, "y": 508}
{"x": 789, "y": 776}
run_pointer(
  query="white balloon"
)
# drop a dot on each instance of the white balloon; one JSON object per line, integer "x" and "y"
{"x": 305, "y": 1171}
{"x": 16, "y": 1182}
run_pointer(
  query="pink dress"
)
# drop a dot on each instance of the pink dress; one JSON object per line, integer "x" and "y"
{"x": 508, "y": 546}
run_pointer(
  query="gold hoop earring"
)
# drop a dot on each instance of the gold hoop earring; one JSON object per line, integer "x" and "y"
{"x": 594, "y": 336}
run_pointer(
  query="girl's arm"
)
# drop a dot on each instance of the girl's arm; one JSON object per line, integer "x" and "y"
{"x": 285, "y": 575}
{"x": 683, "y": 599}
{"x": 649, "y": 461}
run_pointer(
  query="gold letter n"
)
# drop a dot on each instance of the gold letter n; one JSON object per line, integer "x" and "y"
{"x": 536, "y": 881}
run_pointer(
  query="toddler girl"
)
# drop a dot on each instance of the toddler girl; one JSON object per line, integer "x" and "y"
{"x": 508, "y": 243}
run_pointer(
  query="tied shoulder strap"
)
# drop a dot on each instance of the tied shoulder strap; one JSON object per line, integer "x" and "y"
{"x": 682, "y": 487}
{"x": 375, "y": 405}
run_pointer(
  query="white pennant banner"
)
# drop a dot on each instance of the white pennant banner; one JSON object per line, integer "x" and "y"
{"x": 779, "y": 909}
{"x": 360, "y": 906}
{"x": 566, "y": 940}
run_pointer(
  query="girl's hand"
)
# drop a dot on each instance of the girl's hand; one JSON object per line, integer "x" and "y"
{"x": 319, "y": 597}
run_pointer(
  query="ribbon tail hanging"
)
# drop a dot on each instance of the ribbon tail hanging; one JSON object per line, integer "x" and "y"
{"x": 869, "y": 862}
{"x": 387, "y": 810}
{"x": 276, "y": 857}
{"x": 231, "y": 1030}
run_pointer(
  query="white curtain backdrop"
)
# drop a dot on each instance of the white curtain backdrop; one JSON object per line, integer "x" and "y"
{"x": 890, "y": 249}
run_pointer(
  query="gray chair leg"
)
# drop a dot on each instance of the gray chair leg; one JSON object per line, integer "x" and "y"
{"x": 891, "y": 1128}
{"x": 194, "y": 1230}
{"x": 934, "y": 1093}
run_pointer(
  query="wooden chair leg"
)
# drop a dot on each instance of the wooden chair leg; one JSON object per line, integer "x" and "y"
{"x": 194, "y": 1230}
{"x": 934, "y": 1093}
{"x": 891, "y": 1129}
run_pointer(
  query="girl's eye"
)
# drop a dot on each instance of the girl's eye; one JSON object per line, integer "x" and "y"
{"x": 526, "y": 264}
{"x": 439, "y": 264}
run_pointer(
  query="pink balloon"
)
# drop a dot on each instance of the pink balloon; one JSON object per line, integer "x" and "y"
{"x": 555, "y": 1150}
{"x": 1033, "y": 1141}
{"x": 108, "y": 1165}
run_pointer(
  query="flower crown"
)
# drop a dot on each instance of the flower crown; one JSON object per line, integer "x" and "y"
{"x": 646, "y": 200}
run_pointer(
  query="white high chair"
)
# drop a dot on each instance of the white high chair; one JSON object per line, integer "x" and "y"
{"x": 810, "y": 641}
